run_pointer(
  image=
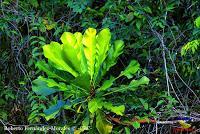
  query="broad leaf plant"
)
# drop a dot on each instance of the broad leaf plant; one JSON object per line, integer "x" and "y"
{"x": 76, "y": 70}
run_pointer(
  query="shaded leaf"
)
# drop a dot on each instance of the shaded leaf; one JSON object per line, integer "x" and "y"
{"x": 51, "y": 83}
{"x": 52, "y": 111}
{"x": 132, "y": 68}
{"x": 135, "y": 83}
{"x": 34, "y": 3}
{"x": 119, "y": 110}
{"x": 113, "y": 54}
{"x": 82, "y": 81}
{"x": 42, "y": 65}
{"x": 145, "y": 105}
{"x": 107, "y": 84}
{"x": 41, "y": 88}
{"x": 102, "y": 125}
{"x": 129, "y": 17}
{"x": 84, "y": 126}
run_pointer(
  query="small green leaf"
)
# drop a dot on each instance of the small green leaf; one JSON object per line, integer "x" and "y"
{"x": 34, "y": 3}
{"x": 138, "y": 24}
{"x": 127, "y": 130}
{"x": 129, "y": 17}
{"x": 148, "y": 10}
{"x": 2, "y": 102}
{"x": 135, "y": 83}
{"x": 132, "y": 68}
{"x": 136, "y": 124}
{"x": 84, "y": 125}
{"x": 107, "y": 84}
{"x": 159, "y": 102}
{"x": 197, "y": 22}
{"x": 51, "y": 83}
{"x": 119, "y": 110}
{"x": 145, "y": 105}
{"x": 42, "y": 28}
{"x": 4, "y": 114}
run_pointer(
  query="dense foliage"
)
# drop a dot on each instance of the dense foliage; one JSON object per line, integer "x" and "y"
{"x": 62, "y": 64}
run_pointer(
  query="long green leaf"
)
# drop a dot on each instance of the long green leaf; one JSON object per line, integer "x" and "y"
{"x": 115, "y": 51}
{"x": 89, "y": 42}
{"x": 134, "y": 84}
{"x": 132, "y": 68}
{"x": 103, "y": 45}
{"x": 81, "y": 55}
{"x": 102, "y": 125}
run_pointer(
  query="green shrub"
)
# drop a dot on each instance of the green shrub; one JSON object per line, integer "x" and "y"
{"x": 76, "y": 68}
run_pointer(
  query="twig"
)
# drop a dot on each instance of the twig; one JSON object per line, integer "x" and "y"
{"x": 5, "y": 125}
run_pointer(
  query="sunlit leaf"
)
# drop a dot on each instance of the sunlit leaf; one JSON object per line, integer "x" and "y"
{"x": 127, "y": 130}
{"x": 197, "y": 22}
{"x": 102, "y": 47}
{"x": 53, "y": 52}
{"x": 95, "y": 104}
{"x": 136, "y": 124}
{"x": 89, "y": 42}
{"x": 71, "y": 50}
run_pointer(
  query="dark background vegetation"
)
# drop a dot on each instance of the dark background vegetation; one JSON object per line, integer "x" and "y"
{"x": 154, "y": 32}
